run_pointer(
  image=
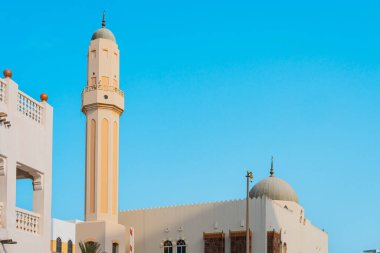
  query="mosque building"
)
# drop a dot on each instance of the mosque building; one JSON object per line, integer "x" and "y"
{"x": 276, "y": 220}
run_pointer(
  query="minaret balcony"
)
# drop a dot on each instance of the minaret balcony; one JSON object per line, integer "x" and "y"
{"x": 102, "y": 96}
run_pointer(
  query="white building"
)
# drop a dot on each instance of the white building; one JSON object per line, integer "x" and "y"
{"x": 25, "y": 154}
{"x": 63, "y": 234}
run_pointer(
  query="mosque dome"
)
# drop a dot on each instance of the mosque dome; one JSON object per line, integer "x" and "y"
{"x": 103, "y": 33}
{"x": 274, "y": 188}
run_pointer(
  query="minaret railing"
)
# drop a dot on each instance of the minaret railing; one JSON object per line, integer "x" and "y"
{"x": 105, "y": 88}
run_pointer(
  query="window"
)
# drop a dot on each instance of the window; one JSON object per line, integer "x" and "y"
{"x": 168, "y": 247}
{"x": 274, "y": 244}
{"x": 93, "y": 80}
{"x": 59, "y": 245}
{"x": 285, "y": 248}
{"x": 69, "y": 246}
{"x": 115, "y": 247}
{"x": 214, "y": 242}
{"x": 239, "y": 241}
{"x": 105, "y": 52}
{"x": 181, "y": 246}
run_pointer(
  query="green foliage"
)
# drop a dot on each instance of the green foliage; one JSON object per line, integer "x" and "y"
{"x": 89, "y": 247}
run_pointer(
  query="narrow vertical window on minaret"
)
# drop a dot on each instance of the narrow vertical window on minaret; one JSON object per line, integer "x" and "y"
{"x": 93, "y": 54}
{"x": 93, "y": 80}
{"x": 105, "y": 52}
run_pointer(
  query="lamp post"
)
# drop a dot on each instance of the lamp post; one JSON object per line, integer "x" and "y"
{"x": 249, "y": 177}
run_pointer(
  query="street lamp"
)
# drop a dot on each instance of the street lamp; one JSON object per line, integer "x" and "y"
{"x": 249, "y": 177}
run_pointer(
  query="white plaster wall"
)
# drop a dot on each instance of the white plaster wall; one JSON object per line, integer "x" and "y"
{"x": 188, "y": 222}
{"x": 63, "y": 229}
{"x": 28, "y": 143}
{"x": 154, "y": 226}
{"x": 296, "y": 231}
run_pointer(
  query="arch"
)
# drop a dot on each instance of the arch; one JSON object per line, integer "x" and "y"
{"x": 285, "y": 248}
{"x": 181, "y": 246}
{"x": 70, "y": 246}
{"x": 168, "y": 247}
{"x": 58, "y": 247}
{"x": 115, "y": 247}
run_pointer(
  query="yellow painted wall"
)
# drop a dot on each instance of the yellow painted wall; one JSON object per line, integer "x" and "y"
{"x": 104, "y": 167}
{"x": 114, "y": 172}
{"x": 92, "y": 166}
{"x": 53, "y": 244}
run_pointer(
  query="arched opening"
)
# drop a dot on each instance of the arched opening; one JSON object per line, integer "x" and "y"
{"x": 168, "y": 247}
{"x": 58, "y": 247}
{"x": 115, "y": 247}
{"x": 181, "y": 246}
{"x": 89, "y": 246}
{"x": 69, "y": 246}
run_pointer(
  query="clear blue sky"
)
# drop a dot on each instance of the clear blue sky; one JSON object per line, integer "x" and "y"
{"x": 214, "y": 88}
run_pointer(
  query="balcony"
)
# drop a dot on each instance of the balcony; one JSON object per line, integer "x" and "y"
{"x": 103, "y": 87}
{"x": 25, "y": 105}
{"x": 104, "y": 96}
{"x": 27, "y": 221}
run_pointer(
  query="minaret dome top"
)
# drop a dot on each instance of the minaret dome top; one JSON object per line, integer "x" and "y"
{"x": 103, "y": 33}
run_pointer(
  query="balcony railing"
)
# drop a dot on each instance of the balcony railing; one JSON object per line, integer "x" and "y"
{"x": 29, "y": 107}
{"x": 103, "y": 87}
{"x": 1, "y": 214}
{"x": 2, "y": 91}
{"x": 27, "y": 221}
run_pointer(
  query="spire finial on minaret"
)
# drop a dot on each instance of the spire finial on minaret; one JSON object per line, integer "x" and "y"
{"x": 271, "y": 168}
{"x": 104, "y": 19}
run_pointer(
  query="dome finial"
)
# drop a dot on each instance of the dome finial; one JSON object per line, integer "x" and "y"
{"x": 271, "y": 168}
{"x": 104, "y": 19}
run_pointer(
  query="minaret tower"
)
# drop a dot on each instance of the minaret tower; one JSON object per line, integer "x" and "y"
{"x": 102, "y": 103}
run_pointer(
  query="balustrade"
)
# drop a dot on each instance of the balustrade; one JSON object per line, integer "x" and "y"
{"x": 2, "y": 91}
{"x": 27, "y": 221}
{"x": 29, "y": 107}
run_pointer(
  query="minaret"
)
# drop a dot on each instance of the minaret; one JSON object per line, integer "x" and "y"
{"x": 102, "y": 103}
